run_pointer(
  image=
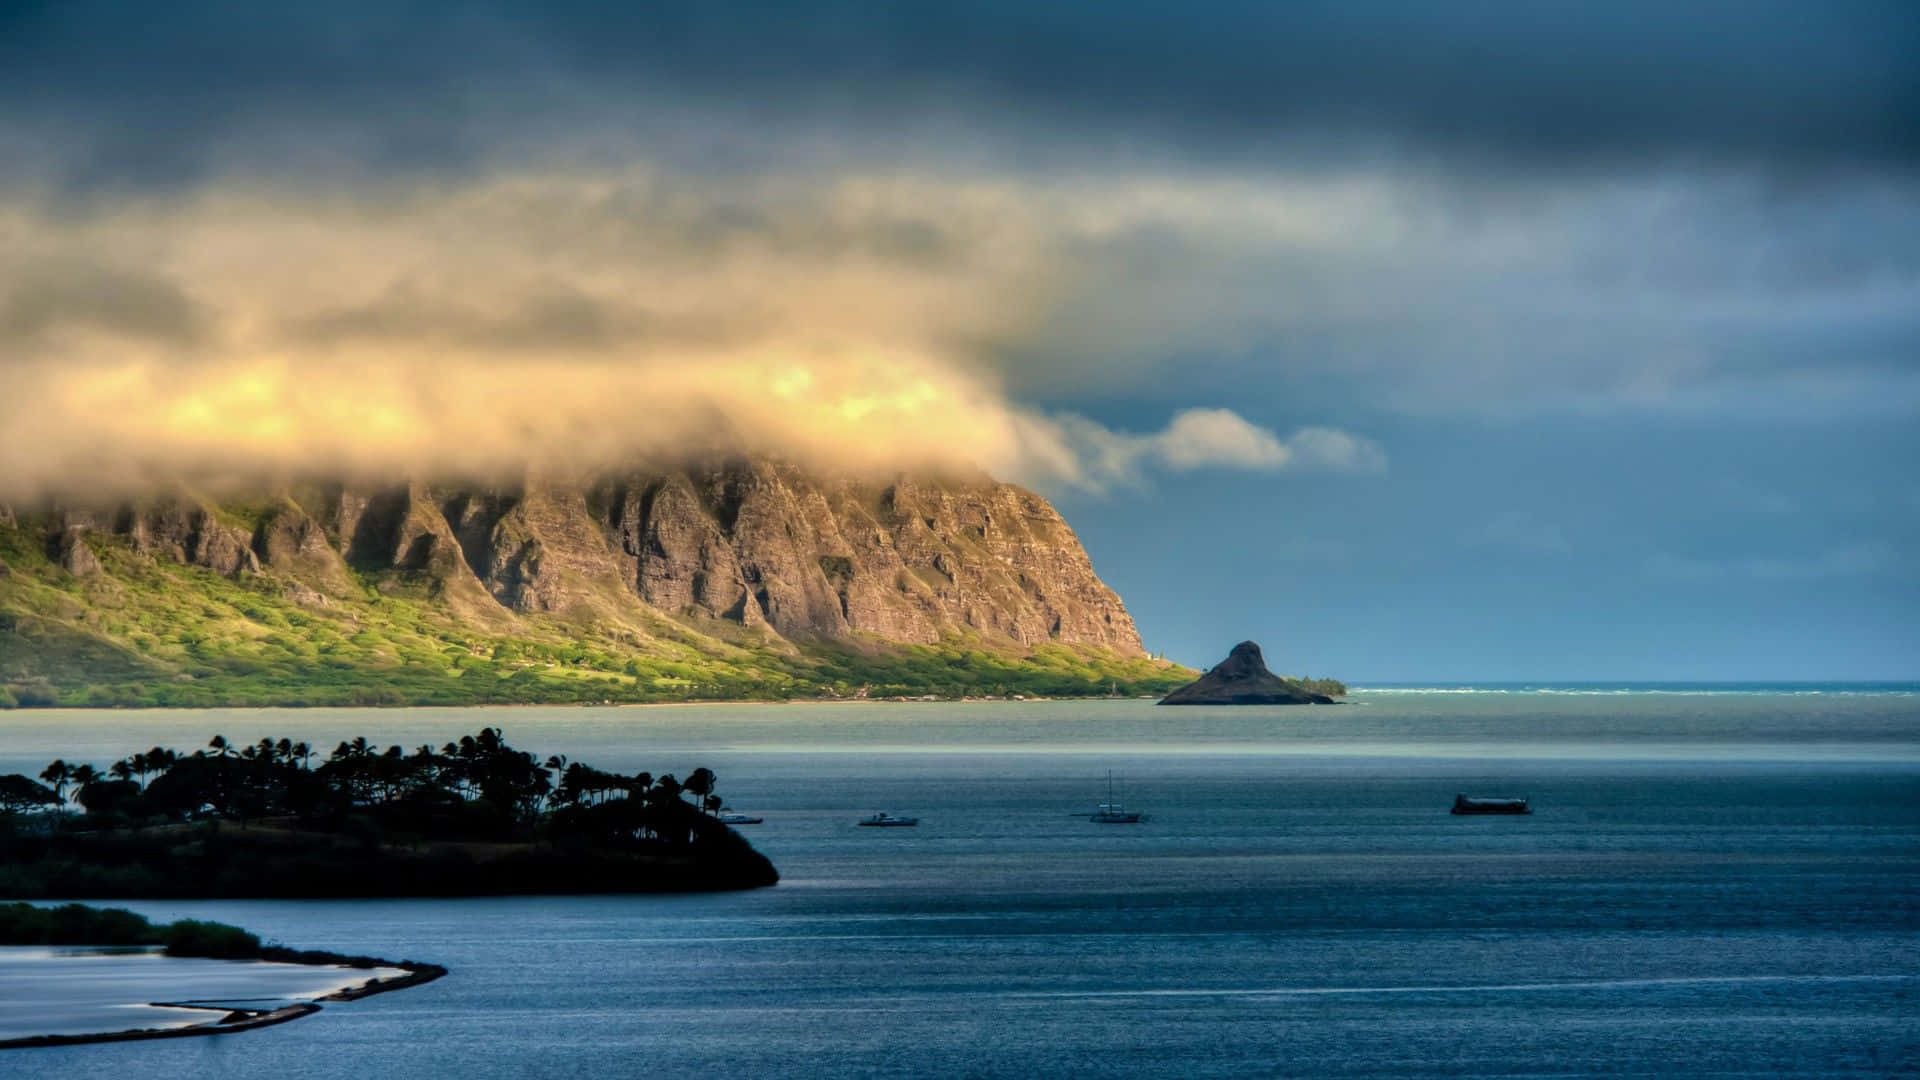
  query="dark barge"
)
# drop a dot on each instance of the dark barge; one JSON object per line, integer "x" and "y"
{"x": 1465, "y": 805}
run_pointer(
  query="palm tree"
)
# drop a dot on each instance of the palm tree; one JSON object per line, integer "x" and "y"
{"x": 218, "y": 744}
{"x": 572, "y": 784}
{"x": 557, "y": 764}
{"x": 391, "y": 765}
{"x": 158, "y": 759}
{"x": 699, "y": 784}
{"x": 80, "y": 777}
{"x": 304, "y": 753}
{"x": 121, "y": 770}
{"x": 665, "y": 790}
{"x": 57, "y": 773}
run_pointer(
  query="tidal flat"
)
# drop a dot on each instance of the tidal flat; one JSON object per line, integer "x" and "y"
{"x": 77, "y": 990}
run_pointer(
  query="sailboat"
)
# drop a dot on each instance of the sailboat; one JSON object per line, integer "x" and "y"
{"x": 1111, "y": 812}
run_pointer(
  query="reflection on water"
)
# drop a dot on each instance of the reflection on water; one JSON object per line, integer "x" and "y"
{"x": 1744, "y": 901}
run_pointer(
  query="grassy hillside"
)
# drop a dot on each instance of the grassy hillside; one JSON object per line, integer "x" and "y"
{"x": 151, "y": 632}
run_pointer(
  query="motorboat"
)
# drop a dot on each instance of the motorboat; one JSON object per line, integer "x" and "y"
{"x": 728, "y": 817}
{"x": 887, "y": 821}
{"x": 1463, "y": 804}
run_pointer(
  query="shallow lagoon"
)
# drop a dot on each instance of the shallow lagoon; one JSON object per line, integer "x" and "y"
{"x": 1713, "y": 883}
{"x": 72, "y": 991}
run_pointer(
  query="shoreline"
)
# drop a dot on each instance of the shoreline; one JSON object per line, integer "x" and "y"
{"x": 1861, "y": 688}
{"x": 236, "y": 1020}
{"x": 923, "y": 700}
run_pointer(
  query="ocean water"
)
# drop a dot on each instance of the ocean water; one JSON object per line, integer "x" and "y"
{"x": 1716, "y": 882}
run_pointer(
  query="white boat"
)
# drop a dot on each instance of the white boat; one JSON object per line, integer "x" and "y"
{"x": 1111, "y": 812}
{"x": 730, "y": 818}
{"x": 887, "y": 821}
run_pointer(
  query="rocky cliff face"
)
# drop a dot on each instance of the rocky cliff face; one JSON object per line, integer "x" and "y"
{"x": 753, "y": 542}
{"x": 908, "y": 560}
{"x": 175, "y": 527}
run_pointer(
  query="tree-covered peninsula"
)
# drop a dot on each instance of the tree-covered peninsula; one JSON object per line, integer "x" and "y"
{"x": 279, "y": 819}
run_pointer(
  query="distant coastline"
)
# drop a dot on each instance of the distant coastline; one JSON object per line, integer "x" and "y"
{"x": 1046, "y": 687}
{"x": 922, "y": 699}
{"x": 1893, "y": 687}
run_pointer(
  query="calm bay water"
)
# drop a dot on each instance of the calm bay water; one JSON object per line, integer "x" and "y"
{"x": 1720, "y": 882}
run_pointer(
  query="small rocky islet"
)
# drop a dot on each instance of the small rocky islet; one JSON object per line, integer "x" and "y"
{"x": 1243, "y": 679}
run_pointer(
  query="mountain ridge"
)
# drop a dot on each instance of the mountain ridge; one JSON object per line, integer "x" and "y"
{"x": 783, "y": 576}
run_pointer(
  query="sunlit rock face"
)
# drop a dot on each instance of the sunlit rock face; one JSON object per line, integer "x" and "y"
{"x": 814, "y": 555}
{"x": 749, "y": 541}
{"x": 68, "y": 547}
{"x": 188, "y": 532}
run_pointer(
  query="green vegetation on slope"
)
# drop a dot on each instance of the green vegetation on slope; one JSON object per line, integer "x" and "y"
{"x": 77, "y": 924}
{"x": 150, "y": 632}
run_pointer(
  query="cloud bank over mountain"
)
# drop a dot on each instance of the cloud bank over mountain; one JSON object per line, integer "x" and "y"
{"x": 557, "y": 321}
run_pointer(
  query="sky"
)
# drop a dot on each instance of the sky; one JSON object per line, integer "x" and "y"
{"x": 1417, "y": 342}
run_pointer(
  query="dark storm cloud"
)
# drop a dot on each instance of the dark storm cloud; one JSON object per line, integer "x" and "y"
{"x": 556, "y": 317}
{"x": 66, "y": 294}
{"x": 1700, "y": 292}
{"x": 133, "y": 92}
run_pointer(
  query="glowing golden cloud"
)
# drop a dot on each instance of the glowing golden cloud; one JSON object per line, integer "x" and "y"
{"x": 545, "y": 323}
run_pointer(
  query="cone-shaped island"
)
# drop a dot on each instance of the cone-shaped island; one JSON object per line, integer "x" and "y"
{"x": 1243, "y": 679}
